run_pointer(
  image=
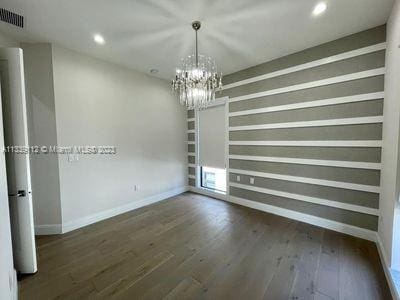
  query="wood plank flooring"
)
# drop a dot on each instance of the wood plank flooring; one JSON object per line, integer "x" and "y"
{"x": 196, "y": 247}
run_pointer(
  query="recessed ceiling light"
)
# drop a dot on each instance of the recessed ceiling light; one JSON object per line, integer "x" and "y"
{"x": 320, "y": 8}
{"x": 99, "y": 39}
{"x": 153, "y": 71}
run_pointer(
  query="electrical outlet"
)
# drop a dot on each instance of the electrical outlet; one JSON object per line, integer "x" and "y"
{"x": 237, "y": 178}
{"x": 251, "y": 180}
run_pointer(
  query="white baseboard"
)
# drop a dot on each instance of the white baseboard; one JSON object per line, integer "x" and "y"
{"x": 75, "y": 224}
{"x": 317, "y": 221}
{"x": 386, "y": 268}
{"x": 48, "y": 229}
{"x": 14, "y": 286}
{"x": 332, "y": 225}
{"x": 207, "y": 192}
{"x": 329, "y": 224}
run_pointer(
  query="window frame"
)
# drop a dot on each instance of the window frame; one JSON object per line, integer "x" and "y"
{"x": 206, "y": 187}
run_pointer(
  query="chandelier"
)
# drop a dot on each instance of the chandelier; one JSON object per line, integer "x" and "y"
{"x": 197, "y": 79}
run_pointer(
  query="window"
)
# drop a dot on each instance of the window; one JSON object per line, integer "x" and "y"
{"x": 213, "y": 178}
{"x": 212, "y": 137}
{"x": 211, "y": 148}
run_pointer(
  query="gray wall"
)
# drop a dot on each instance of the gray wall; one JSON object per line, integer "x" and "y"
{"x": 191, "y": 148}
{"x": 345, "y": 194}
{"x": 99, "y": 103}
{"x": 326, "y": 133}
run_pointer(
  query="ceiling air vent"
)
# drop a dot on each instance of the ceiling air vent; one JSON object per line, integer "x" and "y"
{"x": 11, "y": 18}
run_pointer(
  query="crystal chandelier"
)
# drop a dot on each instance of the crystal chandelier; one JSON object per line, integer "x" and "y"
{"x": 197, "y": 79}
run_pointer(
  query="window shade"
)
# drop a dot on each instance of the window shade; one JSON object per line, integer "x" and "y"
{"x": 212, "y": 137}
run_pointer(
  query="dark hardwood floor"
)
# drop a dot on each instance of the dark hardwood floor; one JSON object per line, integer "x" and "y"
{"x": 195, "y": 247}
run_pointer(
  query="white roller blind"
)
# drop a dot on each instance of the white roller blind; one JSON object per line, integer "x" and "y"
{"x": 212, "y": 137}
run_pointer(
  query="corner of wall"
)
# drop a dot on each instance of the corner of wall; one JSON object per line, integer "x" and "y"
{"x": 53, "y": 50}
{"x": 390, "y": 174}
{"x": 386, "y": 267}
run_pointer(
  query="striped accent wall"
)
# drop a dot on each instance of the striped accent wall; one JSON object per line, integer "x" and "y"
{"x": 192, "y": 157}
{"x": 307, "y": 129}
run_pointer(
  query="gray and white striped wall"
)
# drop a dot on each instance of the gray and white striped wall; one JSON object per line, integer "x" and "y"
{"x": 308, "y": 128}
{"x": 192, "y": 157}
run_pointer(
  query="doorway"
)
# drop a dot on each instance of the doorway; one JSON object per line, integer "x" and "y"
{"x": 16, "y": 151}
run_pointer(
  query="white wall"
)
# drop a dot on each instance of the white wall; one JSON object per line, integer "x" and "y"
{"x": 7, "y": 273}
{"x": 42, "y": 131}
{"x": 99, "y": 103}
{"x": 6, "y": 41}
{"x": 390, "y": 152}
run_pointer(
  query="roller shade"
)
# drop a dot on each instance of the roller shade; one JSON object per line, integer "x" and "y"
{"x": 212, "y": 137}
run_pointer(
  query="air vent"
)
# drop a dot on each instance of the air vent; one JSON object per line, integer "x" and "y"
{"x": 11, "y": 18}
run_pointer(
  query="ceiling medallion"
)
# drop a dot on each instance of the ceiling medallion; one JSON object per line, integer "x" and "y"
{"x": 197, "y": 80}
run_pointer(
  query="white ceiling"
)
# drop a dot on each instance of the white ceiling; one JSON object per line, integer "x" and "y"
{"x": 147, "y": 34}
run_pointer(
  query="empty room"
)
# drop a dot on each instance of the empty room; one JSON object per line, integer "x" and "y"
{"x": 210, "y": 149}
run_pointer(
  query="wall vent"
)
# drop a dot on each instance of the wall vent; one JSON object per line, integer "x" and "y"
{"x": 11, "y": 18}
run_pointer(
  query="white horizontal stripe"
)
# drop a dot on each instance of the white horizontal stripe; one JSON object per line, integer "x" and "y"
{"x": 314, "y": 162}
{"x": 310, "y": 219}
{"x": 315, "y": 123}
{"x": 191, "y": 154}
{"x": 191, "y": 131}
{"x": 367, "y": 143}
{"x": 331, "y": 183}
{"x": 312, "y": 64}
{"x": 320, "y": 201}
{"x": 191, "y": 142}
{"x": 310, "y": 104}
{"x": 192, "y": 176}
{"x": 312, "y": 84}
{"x": 190, "y": 119}
{"x": 192, "y": 165}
